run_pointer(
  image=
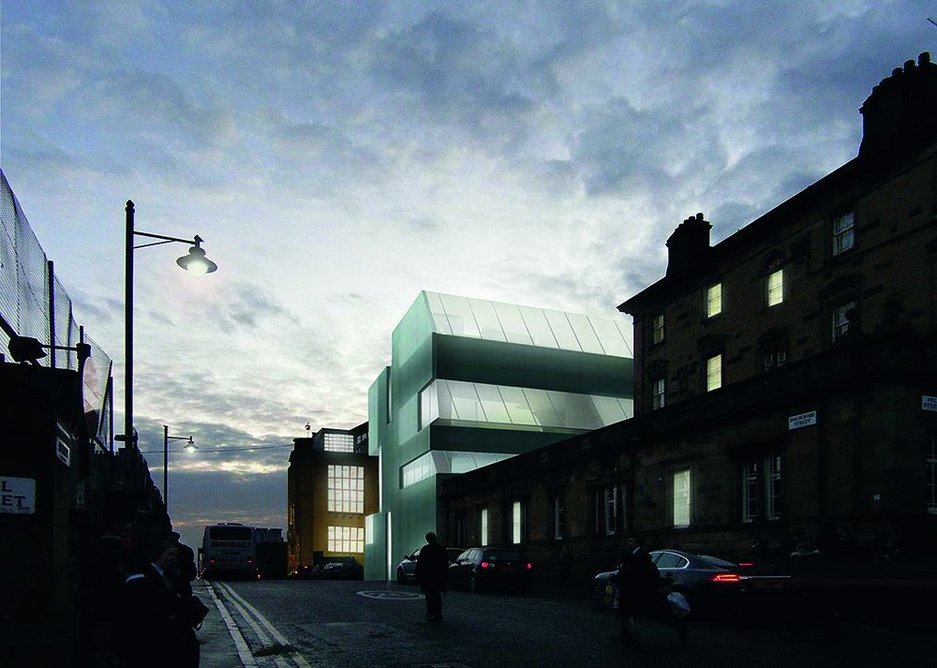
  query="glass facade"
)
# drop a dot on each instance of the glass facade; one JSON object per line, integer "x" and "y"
{"x": 462, "y": 401}
{"x": 338, "y": 442}
{"x": 345, "y": 489}
{"x": 472, "y": 382}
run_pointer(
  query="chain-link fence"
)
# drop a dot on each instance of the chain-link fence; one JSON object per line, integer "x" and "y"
{"x": 34, "y": 303}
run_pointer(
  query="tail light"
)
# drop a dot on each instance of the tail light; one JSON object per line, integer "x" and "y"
{"x": 746, "y": 564}
{"x": 529, "y": 565}
{"x": 485, "y": 564}
{"x": 726, "y": 577}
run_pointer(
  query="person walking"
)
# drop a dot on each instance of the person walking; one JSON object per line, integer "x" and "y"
{"x": 432, "y": 567}
{"x": 640, "y": 592}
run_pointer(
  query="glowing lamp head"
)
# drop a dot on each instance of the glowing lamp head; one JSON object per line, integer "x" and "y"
{"x": 195, "y": 262}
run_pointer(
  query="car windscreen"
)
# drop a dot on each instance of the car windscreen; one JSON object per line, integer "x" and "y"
{"x": 502, "y": 555}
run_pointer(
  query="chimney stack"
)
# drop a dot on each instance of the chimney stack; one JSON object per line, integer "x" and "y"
{"x": 900, "y": 116}
{"x": 688, "y": 246}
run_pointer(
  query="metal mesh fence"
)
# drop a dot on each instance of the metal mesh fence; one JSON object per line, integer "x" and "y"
{"x": 30, "y": 303}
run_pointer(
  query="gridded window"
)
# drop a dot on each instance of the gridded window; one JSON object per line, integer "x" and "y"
{"x": 750, "y": 491}
{"x": 559, "y": 517}
{"x": 844, "y": 235}
{"x": 483, "y": 526}
{"x": 714, "y": 373}
{"x": 773, "y": 487}
{"x": 346, "y": 539}
{"x": 517, "y": 522}
{"x": 611, "y": 509}
{"x": 657, "y": 328}
{"x": 775, "y": 287}
{"x": 840, "y": 318}
{"x": 714, "y": 300}
{"x": 761, "y": 489}
{"x": 658, "y": 393}
{"x": 681, "y": 498}
{"x": 345, "y": 489}
{"x": 774, "y": 358}
{"x": 930, "y": 462}
{"x": 338, "y": 442}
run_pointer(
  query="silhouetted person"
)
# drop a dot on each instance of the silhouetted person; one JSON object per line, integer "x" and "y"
{"x": 640, "y": 592}
{"x": 566, "y": 563}
{"x": 432, "y": 568}
{"x": 154, "y": 627}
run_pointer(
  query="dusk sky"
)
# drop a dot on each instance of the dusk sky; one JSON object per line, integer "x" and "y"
{"x": 339, "y": 157}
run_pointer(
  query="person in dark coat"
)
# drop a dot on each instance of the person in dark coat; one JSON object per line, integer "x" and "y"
{"x": 432, "y": 568}
{"x": 640, "y": 592}
{"x": 154, "y": 630}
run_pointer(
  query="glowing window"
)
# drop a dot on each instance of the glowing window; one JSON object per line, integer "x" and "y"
{"x": 345, "y": 489}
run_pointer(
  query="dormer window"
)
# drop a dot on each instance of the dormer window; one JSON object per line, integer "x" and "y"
{"x": 844, "y": 235}
{"x": 714, "y": 300}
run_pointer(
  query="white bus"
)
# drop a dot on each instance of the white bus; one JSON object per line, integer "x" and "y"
{"x": 228, "y": 551}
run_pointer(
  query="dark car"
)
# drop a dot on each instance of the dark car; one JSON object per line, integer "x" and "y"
{"x": 709, "y": 583}
{"x": 490, "y": 567}
{"x": 406, "y": 569}
{"x": 332, "y": 568}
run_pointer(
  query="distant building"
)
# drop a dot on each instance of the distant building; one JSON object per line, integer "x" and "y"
{"x": 785, "y": 378}
{"x": 332, "y": 484}
{"x": 474, "y": 382}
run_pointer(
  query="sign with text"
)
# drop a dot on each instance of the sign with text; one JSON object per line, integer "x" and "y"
{"x": 928, "y": 403}
{"x": 802, "y": 420}
{"x": 17, "y": 495}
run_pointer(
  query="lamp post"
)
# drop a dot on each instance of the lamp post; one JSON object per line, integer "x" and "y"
{"x": 190, "y": 446}
{"x": 195, "y": 263}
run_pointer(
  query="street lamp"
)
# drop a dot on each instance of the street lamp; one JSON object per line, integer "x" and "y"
{"x": 190, "y": 446}
{"x": 195, "y": 263}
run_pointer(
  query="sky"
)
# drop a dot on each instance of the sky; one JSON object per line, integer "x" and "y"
{"x": 339, "y": 157}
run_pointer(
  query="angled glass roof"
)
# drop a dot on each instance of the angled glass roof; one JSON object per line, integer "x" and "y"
{"x": 497, "y": 321}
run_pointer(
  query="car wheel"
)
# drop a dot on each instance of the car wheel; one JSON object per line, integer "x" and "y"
{"x": 688, "y": 598}
{"x": 473, "y": 583}
{"x": 400, "y": 579}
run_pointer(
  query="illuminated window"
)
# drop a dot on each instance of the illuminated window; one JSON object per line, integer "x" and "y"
{"x": 657, "y": 328}
{"x": 345, "y": 489}
{"x": 345, "y": 539}
{"x": 517, "y": 520}
{"x": 844, "y": 236}
{"x": 658, "y": 388}
{"x": 714, "y": 373}
{"x": 776, "y": 287}
{"x": 338, "y": 442}
{"x": 714, "y": 300}
{"x": 483, "y": 526}
{"x": 681, "y": 498}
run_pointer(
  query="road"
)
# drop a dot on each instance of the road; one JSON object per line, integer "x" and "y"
{"x": 374, "y": 624}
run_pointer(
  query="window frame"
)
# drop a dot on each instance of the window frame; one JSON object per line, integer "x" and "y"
{"x": 839, "y": 323}
{"x": 657, "y": 329}
{"x": 713, "y": 304}
{"x": 710, "y": 387}
{"x": 483, "y": 527}
{"x": 688, "y": 485}
{"x": 843, "y": 237}
{"x": 658, "y": 398}
{"x": 518, "y": 522}
{"x": 930, "y": 481}
{"x": 559, "y": 517}
{"x": 776, "y": 290}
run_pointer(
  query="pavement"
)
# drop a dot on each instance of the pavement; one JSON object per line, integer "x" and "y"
{"x": 219, "y": 638}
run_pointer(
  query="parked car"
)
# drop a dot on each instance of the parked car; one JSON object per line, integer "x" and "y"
{"x": 406, "y": 569}
{"x": 490, "y": 567}
{"x": 709, "y": 583}
{"x": 333, "y": 568}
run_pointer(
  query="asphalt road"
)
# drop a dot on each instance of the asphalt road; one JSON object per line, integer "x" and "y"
{"x": 375, "y": 624}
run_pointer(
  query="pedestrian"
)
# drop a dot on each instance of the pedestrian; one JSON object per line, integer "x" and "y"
{"x": 432, "y": 567}
{"x": 566, "y": 563}
{"x": 640, "y": 592}
{"x": 154, "y": 628}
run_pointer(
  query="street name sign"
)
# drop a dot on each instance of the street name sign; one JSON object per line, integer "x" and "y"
{"x": 17, "y": 495}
